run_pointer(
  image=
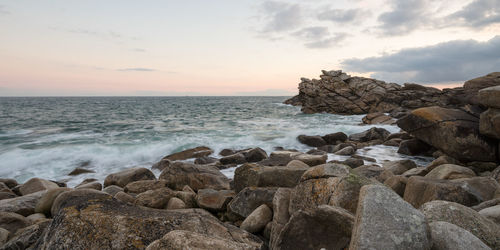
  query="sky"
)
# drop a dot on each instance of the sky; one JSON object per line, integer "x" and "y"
{"x": 238, "y": 47}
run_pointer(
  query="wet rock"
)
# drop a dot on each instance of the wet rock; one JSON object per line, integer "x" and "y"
{"x": 205, "y": 160}
{"x": 489, "y": 123}
{"x": 452, "y": 131}
{"x": 23, "y": 205}
{"x": 255, "y": 155}
{"x": 249, "y": 199}
{"x": 447, "y": 236}
{"x": 325, "y": 227}
{"x": 12, "y": 221}
{"x": 226, "y": 152}
{"x": 214, "y": 200}
{"x": 175, "y": 203}
{"x": 197, "y": 177}
{"x": 27, "y": 237}
{"x": 312, "y": 141}
{"x": 413, "y": 147}
{"x": 238, "y": 158}
{"x": 127, "y": 176}
{"x": 450, "y": 172}
{"x": 253, "y": 175}
{"x": 258, "y": 219}
{"x": 370, "y": 135}
{"x": 109, "y": 223}
{"x": 44, "y": 205}
{"x": 162, "y": 164}
{"x": 484, "y": 229}
{"x": 34, "y": 185}
{"x": 190, "y": 153}
{"x": 180, "y": 240}
{"x": 401, "y": 135}
{"x": 112, "y": 190}
{"x": 138, "y": 187}
{"x": 420, "y": 190}
{"x": 378, "y": 118}
{"x": 157, "y": 198}
{"x": 79, "y": 171}
{"x": 385, "y": 221}
{"x": 346, "y": 151}
{"x": 335, "y": 138}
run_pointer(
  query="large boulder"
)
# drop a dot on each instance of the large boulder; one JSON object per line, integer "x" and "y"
{"x": 399, "y": 167}
{"x": 127, "y": 176}
{"x": 489, "y": 123}
{"x": 325, "y": 227}
{"x": 214, "y": 200}
{"x": 108, "y": 223}
{"x": 483, "y": 187}
{"x": 181, "y": 240}
{"x": 464, "y": 217}
{"x": 370, "y": 135}
{"x": 255, "y": 155}
{"x": 385, "y": 221}
{"x": 23, "y": 205}
{"x": 138, "y": 187}
{"x": 452, "y": 131}
{"x": 258, "y": 219}
{"x": 25, "y": 238}
{"x": 447, "y": 236}
{"x": 12, "y": 221}
{"x": 189, "y": 153}
{"x": 253, "y": 175}
{"x": 157, "y": 198}
{"x": 34, "y": 185}
{"x": 311, "y": 160}
{"x": 420, "y": 190}
{"x": 281, "y": 202}
{"x": 250, "y": 198}
{"x": 313, "y": 141}
{"x": 237, "y": 158}
{"x": 197, "y": 177}
{"x": 450, "y": 172}
{"x": 44, "y": 205}
{"x": 335, "y": 138}
{"x": 483, "y": 90}
{"x": 75, "y": 197}
{"x": 492, "y": 213}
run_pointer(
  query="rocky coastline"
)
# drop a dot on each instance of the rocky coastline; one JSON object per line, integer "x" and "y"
{"x": 295, "y": 200}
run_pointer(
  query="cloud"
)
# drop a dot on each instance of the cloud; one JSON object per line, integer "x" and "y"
{"x": 319, "y": 37}
{"x": 343, "y": 16}
{"x": 405, "y": 17}
{"x": 3, "y": 11}
{"x": 456, "y": 60}
{"x": 281, "y": 16}
{"x": 477, "y": 14}
{"x": 138, "y": 69}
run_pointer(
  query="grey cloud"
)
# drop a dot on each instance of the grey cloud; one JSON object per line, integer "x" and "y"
{"x": 319, "y": 37}
{"x": 138, "y": 69}
{"x": 343, "y": 16}
{"x": 405, "y": 17}
{"x": 456, "y": 60}
{"x": 479, "y": 13}
{"x": 328, "y": 42}
{"x": 312, "y": 33}
{"x": 281, "y": 16}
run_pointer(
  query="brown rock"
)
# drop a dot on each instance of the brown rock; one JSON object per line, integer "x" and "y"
{"x": 249, "y": 199}
{"x": 13, "y": 221}
{"x": 312, "y": 141}
{"x": 36, "y": 184}
{"x": 197, "y": 177}
{"x": 127, "y": 176}
{"x": 397, "y": 183}
{"x": 190, "y": 153}
{"x": 79, "y": 171}
{"x": 257, "y": 220}
{"x": 180, "y": 240}
{"x": 450, "y": 172}
{"x": 489, "y": 123}
{"x": 23, "y": 205}
{"x": 253, "y": 175}
{"x": 138, "y": 187}
{"x": 175, "y": 203}
{"x": 214, "y": 200}
{"x": 157, "y": 198}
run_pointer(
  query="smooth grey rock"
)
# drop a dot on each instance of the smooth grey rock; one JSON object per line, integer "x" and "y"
{"x": 249, "y": 199}
{"x": 447, "y": 236}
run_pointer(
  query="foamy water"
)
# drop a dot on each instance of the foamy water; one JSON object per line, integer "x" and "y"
{"x": 49, "y": 137}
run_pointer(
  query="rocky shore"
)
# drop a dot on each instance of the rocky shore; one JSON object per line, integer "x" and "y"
{"x": 295, "y": 200}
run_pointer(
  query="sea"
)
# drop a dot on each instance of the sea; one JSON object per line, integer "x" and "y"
{"x": 48, "y": 137}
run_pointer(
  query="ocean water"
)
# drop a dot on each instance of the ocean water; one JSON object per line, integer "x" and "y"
{"x": 48, "y": 137}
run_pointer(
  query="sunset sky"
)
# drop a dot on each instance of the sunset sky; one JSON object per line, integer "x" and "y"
{"x": 238, "y": 47}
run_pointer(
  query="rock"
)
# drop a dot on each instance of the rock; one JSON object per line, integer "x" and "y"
{"x": 393, "y": 142}
{"x": 335, "y": 138}
{"x": 311, "y": 160}
{"x": 93, "y": 185}
{"x": 483, "y": 187}
{"x": 87, "y": 181}
{"x": 489, "y": 123}
{"x": 401, "y": 135}
{"x": 188, "y": 198}
{"x": 330, "y": 184}
{"x": 474, "y": 86}
{"x": 237, "y": 158}
{"x": 5, "y": 188}
{"x": 197, "y": 177}
{"x": 267, "y": 230}
{"x": 226, "y": 152}
{"x": 4, "y": 236}
{"x": 325, "y": 227}
{"x": 112, "y": 190}
{"x": 353, "y": 162}
{"x": 175, "y": 203}
{"x": 157, "y": 198}
{"x": 34, "y": 185}
{"x": 79, "y": 171}
{"x": 7, "y": 195}
{"x": 108, "y": 223}
{"x": 452, "y": 131}
{"x": 258, "y": 219}
{"x": 249, "y": 199}
{"x": 162, "y": 164}
{"x": 385, "y": 221}
{"x": 346, "y": 151}
{"x": 312, "y": 141}
{"x": 189, "y": 153}
{"x": 484, "y": 229}
{"x": 492, "y": 213}
{"x": 487, "y": 204}
{"x": 413, "y": 147}
{"x": 180, "y": 240}
{"x": 23, "y": 205}
{"x": 490, "y": 96}
{"x": 127, "y": 176}
{"x": 11, "y": 183}
{"x": 418, "y": 171}
{"x": 122, "y": 196}
{"x": 255, "y": 155}
{"x": 12, "y": 221}
{"x": 35, "y": 218}
{"x": 440, "y": 161}
{"x": 370, "y": 135}
{"x": 213, "y": 200}
{"x": 420, "y": 190}
{"x": 278, "y": 158}
{"x": 76, "y": 197}
{"x": 397, "y": 183}
{"x": 378, "y": 118}
{"x": 450, "y": 172}
{"x": 26, "y": 237}
{"x": 204, "y": 160}
{"x": 281, "y": 202}
{"x": 481, "y": 167}
{"x": 253, "y": 175}
{"x": 44, "y": 205}
{"x": 447, "y": 236}
{"x": 399, "y": 167}
{"x": 369, "y": 171}
{"x": 138, "y": 187}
